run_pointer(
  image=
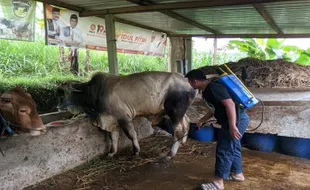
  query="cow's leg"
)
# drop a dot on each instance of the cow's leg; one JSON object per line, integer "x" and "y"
{"x": 129, "y": 130}
{"x": 114, "y": 137}
{"x": 185, "y": 127}
{"x": 176, "y": 106}
{"x": 180, "y": 135}
{"x": 109, "y": 123}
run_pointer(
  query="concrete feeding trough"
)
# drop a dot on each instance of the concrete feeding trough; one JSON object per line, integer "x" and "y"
{"x": 32, "y": 159}
{"x": 286, "y": 114}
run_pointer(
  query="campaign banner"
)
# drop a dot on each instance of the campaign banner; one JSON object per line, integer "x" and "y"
{"x": 17, "y": 19}
{"x": 65, "y": 28}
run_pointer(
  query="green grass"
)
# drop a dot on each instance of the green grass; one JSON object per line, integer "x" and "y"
{"x": 26, "y": 58}
{"x": 36, "y": 59}
{"x": 205, "y": 59}
{"x": 36, "y": 64}
{"x": 47, "y": 82}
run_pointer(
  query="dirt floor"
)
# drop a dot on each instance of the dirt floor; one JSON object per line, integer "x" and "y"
{"x": 193, "y": 165}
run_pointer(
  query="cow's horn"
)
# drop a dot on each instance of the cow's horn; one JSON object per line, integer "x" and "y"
{"x": 74, "y": 89}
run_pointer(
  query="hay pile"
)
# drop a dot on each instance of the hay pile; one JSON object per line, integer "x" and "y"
{"x": 268, "y": 74}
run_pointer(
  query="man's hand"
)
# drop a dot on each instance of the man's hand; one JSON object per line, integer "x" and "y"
{"x": 234, "y": 132}
{"x": 232, "y": 117}
{"x": 205, "y": 118}
{"x": 199, "y": 124}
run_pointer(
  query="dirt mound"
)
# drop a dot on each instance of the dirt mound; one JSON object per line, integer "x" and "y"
{"x": 268, "y": 74}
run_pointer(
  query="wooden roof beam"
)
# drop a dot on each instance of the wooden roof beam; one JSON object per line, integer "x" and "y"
{"x": 260, "y": 9}
{"x": 189, "y": 21}
{"x": 61, "y": 4}
{"x": 177, "y": 5}
{"x": 176, "y": 16}
{"x": 246, "y": 35}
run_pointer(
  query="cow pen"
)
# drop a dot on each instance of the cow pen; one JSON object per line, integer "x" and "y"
{"x": 74, "y": 155}
{"x": 29, "y": 159}
{"x": 193, "y": 165}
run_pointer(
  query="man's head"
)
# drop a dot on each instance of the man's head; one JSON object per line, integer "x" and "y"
{"x": 73, "y": 20}
{"x": 197, "y": 79}
{"x": 56, "y": 13}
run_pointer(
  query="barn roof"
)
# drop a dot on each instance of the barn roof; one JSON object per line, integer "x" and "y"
{"x": 210, "y": 18}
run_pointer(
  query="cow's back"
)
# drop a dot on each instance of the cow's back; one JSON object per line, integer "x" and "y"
{"x": 144, "y": 93}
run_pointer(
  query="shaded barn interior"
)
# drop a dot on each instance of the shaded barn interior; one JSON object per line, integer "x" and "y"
{"x": 69, "y": 146}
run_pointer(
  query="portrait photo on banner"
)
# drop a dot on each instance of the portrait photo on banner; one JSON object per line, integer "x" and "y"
{"x": 65, "y": 28}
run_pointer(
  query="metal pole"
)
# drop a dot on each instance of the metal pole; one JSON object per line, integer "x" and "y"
{"x": 215, "y": 51}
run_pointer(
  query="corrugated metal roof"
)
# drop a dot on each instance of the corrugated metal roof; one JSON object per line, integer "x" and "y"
{"x": 232, "y": 20}
{"x": 161, "y": 21}
{"x": 173, "y": 1}
{"x": 291, "y": 17}
{"x": 98, "y": 4}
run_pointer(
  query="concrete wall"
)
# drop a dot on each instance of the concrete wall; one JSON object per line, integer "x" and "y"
{"x": 29, "y": 160}
{"x": 287, "y": 112}
{"x": 176, "y": 52}
{"x": 291, "y": 120}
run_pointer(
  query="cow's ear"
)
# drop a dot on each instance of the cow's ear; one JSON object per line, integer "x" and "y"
{"x": 74, "y": 89}
{"x": 24, "y": 110}
{"x": 21, "y": 88}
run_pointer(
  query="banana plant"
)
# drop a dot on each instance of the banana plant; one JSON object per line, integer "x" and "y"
{"x": 304, "y": 57}
{"x": 271, "y": 49}
{"x": 249, "y": 46}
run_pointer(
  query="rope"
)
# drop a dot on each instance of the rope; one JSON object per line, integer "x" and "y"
{"x": 6, "y": 126}
{"x": 186, "y": 134}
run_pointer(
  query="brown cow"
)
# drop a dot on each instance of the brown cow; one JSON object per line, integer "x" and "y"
{"x": 18, "y": 108}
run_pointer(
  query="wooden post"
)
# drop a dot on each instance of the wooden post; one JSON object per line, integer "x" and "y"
{"x": 111, "y": 43}
{"x": 188, "y": 53}
{"x": 62, "y": 59}
{"x": 87, "y": 62}
{"x": 75, "y": 61}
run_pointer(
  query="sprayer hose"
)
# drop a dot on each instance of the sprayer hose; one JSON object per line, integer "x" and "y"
{"x": 263, "y": 111}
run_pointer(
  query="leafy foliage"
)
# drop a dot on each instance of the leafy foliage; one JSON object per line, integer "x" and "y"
{"x": 269, "y": 49}
{"x": 201, "y": 59}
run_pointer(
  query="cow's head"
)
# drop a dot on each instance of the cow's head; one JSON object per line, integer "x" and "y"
{"x": 68, "y": 94}
{"x": 18, "y": 107}
{"x": 87, "y": 97}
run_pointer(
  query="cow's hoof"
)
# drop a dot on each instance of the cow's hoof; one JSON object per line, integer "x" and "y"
{"x": 171, "y": 154}
{"x": 111, "y": 155}
{"x": 136, "y": 157}
{"x": 164, "y": 159}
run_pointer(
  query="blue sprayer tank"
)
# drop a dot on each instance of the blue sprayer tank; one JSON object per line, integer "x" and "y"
{"x": 240, "y": 93}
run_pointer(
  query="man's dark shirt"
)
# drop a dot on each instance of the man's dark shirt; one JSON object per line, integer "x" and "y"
{"x": 213, "y": 94}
